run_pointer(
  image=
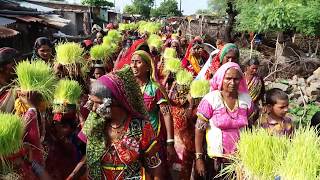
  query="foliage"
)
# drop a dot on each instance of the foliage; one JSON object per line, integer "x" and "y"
{"x": 298, "y": 111}
{"x": 97, "y": 3}
{"x": 141, "y": 7}
{"x": 69, "y": 53}
{"x": 36, "y": 76}
{"x": 155, "y": 41}
{"x": 172, "y": 65}
{"x": 184, "y": 77}
{"x": 262, "y": 155}
{"x": 169, "y": 53}
{"x": 199, "y": 88}
{"x": 67, "y": 91}
{"x": 11, "y": 134}
{"x": 167, "y": 8}
{"x": 218, "y": 6}
{"x": 149, "y": 27}
{"x": 303, "y": 157}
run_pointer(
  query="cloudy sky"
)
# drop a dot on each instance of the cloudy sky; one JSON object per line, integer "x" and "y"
{"x": 188, "y": 6}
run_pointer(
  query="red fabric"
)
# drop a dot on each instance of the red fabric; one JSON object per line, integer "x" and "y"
{"x": 88, "y": 42}
{"x": 126, "y": 58}
{"x": 215, "y": 64}
{"x": 32, "y": 135}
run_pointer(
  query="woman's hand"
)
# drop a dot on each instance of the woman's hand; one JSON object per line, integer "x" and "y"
{"x": 200, "y": 166}
{"x": 171, "y": 153}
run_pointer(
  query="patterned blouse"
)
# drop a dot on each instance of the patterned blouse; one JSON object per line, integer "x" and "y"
{"x": 284, "y": 127}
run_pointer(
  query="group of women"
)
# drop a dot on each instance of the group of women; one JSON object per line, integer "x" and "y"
{"x": 135, "y": 118}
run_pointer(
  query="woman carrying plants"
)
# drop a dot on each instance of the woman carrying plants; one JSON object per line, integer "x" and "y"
{"x": 43, "y": 49}
{"x": 181, "y": 109}
{"x": 120, "y": 140}
{"x": 62, "y": 140}
{"x": 221, "y": 115}
{"x": 155, "y": 101}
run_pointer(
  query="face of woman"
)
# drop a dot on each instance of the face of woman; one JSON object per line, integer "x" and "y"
{"x": 231, "y": 81}
{"x": 98, "y": 72}
{"x": 45, "y": 52}
{"x": 231, "y": 56}
{"x": 139, "y": 67}
{"x": 252, "y": 69}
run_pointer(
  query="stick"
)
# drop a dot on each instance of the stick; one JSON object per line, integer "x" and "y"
{"x": 304, "y": 105}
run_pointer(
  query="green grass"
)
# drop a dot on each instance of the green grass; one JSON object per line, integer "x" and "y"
{"x": 199, "y": 88}
{"x": 184, "y": 77}
{"x": 69, "y": 53}
{"x": 67, "y": 91}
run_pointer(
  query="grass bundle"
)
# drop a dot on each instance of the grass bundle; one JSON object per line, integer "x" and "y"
{"x": 11, "y": 134}
{"x": 150, "y": 27}
{"x": 199, "y": 88}
{"x": 108, "y": 42}
{"x": 115, "y": 35}
{"x": 36, "y": 76}
{"x": 155, "y": 41}
{"x": 170, "y": 53}
{"x": 172, "y": 65}
{"x": 184, "y": 77}
{"x": 100, "y": 52}
{"x": 67, "y": 91}
{"x": 303, "y": 158}
{"x": 69, "y": 53}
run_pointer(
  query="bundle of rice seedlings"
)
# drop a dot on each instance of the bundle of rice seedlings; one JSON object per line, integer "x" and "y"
{"x": 150, "y": 27}
{"x": 36, "y": 76}
{"x": 69, "y": 53}
{"x": 67, "y": 91}
{"x": 108, "y": 42}
{"x": 259, "y": 155}
{"x": 303, "y": 158}
{"x": 11, "y": 134}
{"x": 101, "y": 52}
{"x": 170, "y": 53}
{"x": 115, "y": 35}
{"x": 184, "y": 77}
{"x": 199, "y": 88}
{"x": 172, "y": 65}
{"x": 155, "y": 41}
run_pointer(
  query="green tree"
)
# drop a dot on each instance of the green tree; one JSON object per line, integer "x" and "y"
{"x": 97, "y": 3}
{"x": 167, "y": 8}
{"x": 141, "y": 7}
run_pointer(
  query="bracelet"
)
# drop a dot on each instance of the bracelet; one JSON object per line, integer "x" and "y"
{"x": 170, "y": 140}
{"x": 199, "y": 156}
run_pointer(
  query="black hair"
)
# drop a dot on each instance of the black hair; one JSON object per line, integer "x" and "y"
{"x": 253, "y": 61}
{"x": 315, "y": 121}
{"x": 274, "y": 94}
{"x": 42, "y": 41}
{"x": 8, "y": 55}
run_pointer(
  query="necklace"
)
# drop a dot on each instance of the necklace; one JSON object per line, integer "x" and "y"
{"x": 228, "y": 109}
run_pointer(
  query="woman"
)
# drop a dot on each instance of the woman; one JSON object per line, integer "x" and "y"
{"x": 229, "y": 53}
{"x": 155, "y": 100}
{"x": 195, "y": 56}
{"x": 221, "y": 115}
{"x": 255, "y": 85}
{"x": 43, "y": 49}
{"x": 181, "y": 109}
{"x": 120, "y": 141}
{"x": 62, "y": 141}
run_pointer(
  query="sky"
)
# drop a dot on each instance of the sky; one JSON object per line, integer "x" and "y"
{"x": 188, "y": 6}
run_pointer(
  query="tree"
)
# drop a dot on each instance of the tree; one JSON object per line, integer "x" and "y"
{"x": 167, "y": 8}
{"x": 141, "y": 7}
{"x": 97, "y": 3}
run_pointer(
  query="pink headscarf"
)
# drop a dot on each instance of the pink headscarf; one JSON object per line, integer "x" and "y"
{"x": 217, "y": 80}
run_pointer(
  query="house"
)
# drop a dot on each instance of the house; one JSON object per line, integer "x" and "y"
{"x": 21, "y": 23}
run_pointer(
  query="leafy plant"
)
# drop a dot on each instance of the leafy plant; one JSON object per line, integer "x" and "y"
{"x": 184, "y": 77}
{"x": 69, "y": 53}
{"x": 298, "y": 111}
{"x": 67, "y": 91}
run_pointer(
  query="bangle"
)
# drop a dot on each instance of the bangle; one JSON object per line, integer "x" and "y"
{"x": 199, "y": 156}
{"x": 170, "y": 140}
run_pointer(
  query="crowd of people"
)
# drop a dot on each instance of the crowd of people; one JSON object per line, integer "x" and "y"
{"x": 152, "y": 106}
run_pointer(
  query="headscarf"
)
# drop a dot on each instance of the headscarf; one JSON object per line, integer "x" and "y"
{"x": 217, "y": 80}
{"x": 125, "y": 90}
{"x": 185, "y": 59}
{"x": 153, "y": 72}
{"x": 226, "y": 48}
{"x": 126, "y": 59}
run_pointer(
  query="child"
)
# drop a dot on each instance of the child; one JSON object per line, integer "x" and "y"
{"x": 275, "y": 120}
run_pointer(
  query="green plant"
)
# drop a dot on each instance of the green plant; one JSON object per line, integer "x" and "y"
{"x": 184, "y": 77}
{"x": 199, "y": 88}
{"x": 172, "y": 65}
{"x": 69, "y": 53}
{"x": 302, "y": 115}
{"x": 36, "y": 76}
{"x": 67, "y": 91}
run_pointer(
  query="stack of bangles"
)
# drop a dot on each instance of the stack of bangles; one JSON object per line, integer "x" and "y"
{"x": 170, "y": 141}
{"x": 199, "y": 156}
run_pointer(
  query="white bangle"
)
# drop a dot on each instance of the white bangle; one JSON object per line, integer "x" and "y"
{"x": 170, "y": 140}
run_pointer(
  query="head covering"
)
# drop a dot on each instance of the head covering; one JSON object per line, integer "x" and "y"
{"x": 125, "y": 90}
{"x": 197, "y": 39}
{"x": 226, "y": 48}
{"x": 8, "y": 55}
{"x": 149, "y": 60}
{"x": 217, "y": 80}
{"x": 126, "y": 59}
